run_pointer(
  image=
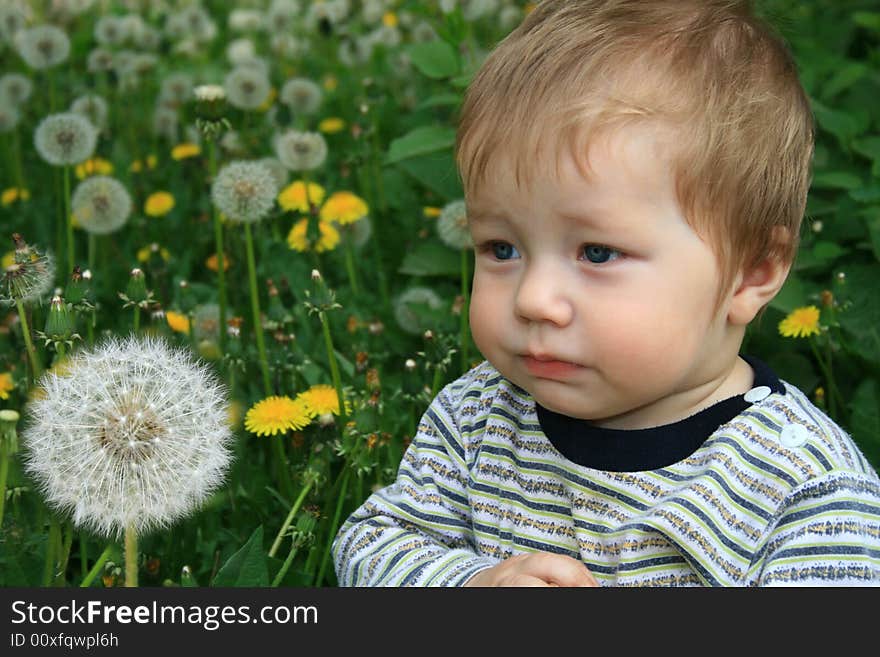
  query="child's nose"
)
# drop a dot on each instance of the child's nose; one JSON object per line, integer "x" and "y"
{"x": 542, "y": 296}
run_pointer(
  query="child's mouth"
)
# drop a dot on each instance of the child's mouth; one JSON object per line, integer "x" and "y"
{"x": 548, "y": 367}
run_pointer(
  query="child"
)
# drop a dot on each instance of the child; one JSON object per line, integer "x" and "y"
{"x": 635, "y": 174}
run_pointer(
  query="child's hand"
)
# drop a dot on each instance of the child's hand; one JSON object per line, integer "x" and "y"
{"x": 535, "y": 569}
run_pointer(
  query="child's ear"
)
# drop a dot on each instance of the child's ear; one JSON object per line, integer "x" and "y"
{"x": 755, "y": 288}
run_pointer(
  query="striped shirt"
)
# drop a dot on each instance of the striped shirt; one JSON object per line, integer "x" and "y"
{"x": 777, "y": 495}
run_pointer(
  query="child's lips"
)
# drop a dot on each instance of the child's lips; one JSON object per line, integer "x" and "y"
{"x": 547, "y": 366}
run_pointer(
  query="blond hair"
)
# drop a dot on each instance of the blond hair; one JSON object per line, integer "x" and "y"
{"x": 719, "y": 76}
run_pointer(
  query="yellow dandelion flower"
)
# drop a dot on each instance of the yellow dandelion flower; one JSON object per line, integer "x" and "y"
{"x": 144, "y": 253}
{"x": 330, "y": 83}
{"x": 212, "y": 262}
{"x": 159, "y": 204}
{"x": 14, "y": 194}
{"x": 389, "y": 19}
{"x": 800, "y": 323}
{"x": 321, "y": 399}
{"x": 297, "y": 240}
{"x": 331, "y": 125}
{"x": 276, "y": 415}
{"x": 6, "y": 385}
{"x": 185, "y": 150}
{"x": 177, "y": 321}
{"x": 430, "y": 212}
{"x": 95, "y": 166}
{"x": 293, "y": 197}
{"x": 147, "y": 163}
{"x": 8, "y": 260}
{"x": 344, "y": 208}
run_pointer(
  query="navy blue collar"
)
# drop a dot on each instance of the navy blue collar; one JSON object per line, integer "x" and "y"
{"x": 636, "y": 450}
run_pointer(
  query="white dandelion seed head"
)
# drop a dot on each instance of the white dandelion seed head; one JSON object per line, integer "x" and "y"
{"x": 147, "y": 37}
{"x": 206, "y": 322}
{"x": 372, "y": 11}
{"x": 101, "y": 205}
{"x": 100, "y": 61}
{"x": 448, "y": 6}
{"x": 43, "y": 46}
{"x": 333, "y": 11}
{"x": 244, "y": 191}
{"x": 386, "y": 35}
{"x": 452, "y": 226}
{"x": 510, "y": 16}
{"x": 301, "y": 151}
{"x": 245, "y": 20}
{"x": 191, "y": 22}
{"x": 177, "y": 88}
{"x": 30, "y": 280}
{"x": 209, "y": 92}
{"x": 406, "y": 310}
{"x": 66, "y": 138}
{"x": 16, "y": 88}
{"x": 93, "y": 107}
{"x": 281, "y": 15}
{"x": 301, "y": 95}
{"x": 166, "y": 123}
{"x": 246, "y": 88}
{"x": 231, "y": 142}
{"x": 116, "y": 438}
{"x": 423, "y": 32}
{"x": 279, "y": 171}
{"x": 357, "y": 233}
{"x": 287, "y": 45}
{"x": 12, "y": 20}
{"x": 9, "y": 115}
{"x": 239, "y": 50}
{"x": 110, "y": 31}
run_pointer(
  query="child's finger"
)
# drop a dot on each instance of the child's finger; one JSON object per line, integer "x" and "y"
{"x": 558, "y": 569}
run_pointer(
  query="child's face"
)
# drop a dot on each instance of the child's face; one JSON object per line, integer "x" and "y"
{"x": 596, "y": 296}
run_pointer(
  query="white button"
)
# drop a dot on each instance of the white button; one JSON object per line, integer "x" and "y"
{"x": 757, "y": 394}
{"x": 794, "y": 435}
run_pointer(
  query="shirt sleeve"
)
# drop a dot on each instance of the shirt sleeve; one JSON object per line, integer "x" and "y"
{"x": 827, "y": 534}
{"x": 417, "y": 531}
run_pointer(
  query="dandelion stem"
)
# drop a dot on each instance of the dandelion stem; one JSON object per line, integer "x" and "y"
{"x": 294, "y": 548}
{"x": 255, "y": 309}
{"x": 83, "y": 555}
{"x": 833, "y": 393}
{"x": 290, "y": 516}
{"x": 218, "y": 243}
{"x": 465, "y": 295}
{"x": 91, "y": 251}
{"x": 137, "y": 318}
{"x": 52, "y": 544}
{"x": 435, "y": 385}
{"x": 69, "y": 220}
{"x": 349, "y": 267}
{"x": 64, "y": 556}
{"x": 337, "y": 514}
{"x": 4, "y": 472}
{"x": 36, "y": 371}
{"x": 334, "y": 366}
{"x": 131, "y": 557}
{"x": 99, "y": 565}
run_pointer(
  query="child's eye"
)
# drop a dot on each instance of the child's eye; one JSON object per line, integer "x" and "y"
{"x": 598, "y": 254}
{"x": 503, "y": 250}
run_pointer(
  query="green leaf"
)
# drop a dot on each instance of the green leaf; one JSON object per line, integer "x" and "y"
{"x": 843, "y": 125}
{"x": 866, "y": 194}
{"x": 844, "y": 78}
{"x": 440, "y": 100}
{"x": 791, "y": 295}
{"x": 436, "y": 59}
{"x": 437, "y": 172}
{"x": 868, "y": 19}
{"x": 865, "y": 420}
{"x": 868, "y": 146}
{"x": 430, "y": 258}
{"x": 827, "y": 251}
{"x": 421, "y": 141}
{"x": 836, "y": 180}
{"x": 860, "y": 317}
{"x": 874, "y": 232}
{"x": 247, "y": 567}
